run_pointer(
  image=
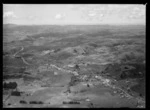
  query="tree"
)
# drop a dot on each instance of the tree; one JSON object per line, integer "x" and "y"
{"x": 11, "y": 85}
{"x": 77, "y": 66}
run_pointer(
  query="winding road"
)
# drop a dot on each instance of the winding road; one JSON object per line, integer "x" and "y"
{"x": 75, "y": 73}
{"x": 22, "y": 48}
{"x": 103, "y": 80}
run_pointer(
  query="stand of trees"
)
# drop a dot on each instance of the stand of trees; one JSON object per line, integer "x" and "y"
{"x": 10, "y": 85}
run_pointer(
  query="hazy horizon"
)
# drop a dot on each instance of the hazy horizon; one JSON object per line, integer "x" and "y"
{"x": 74, "y": 24}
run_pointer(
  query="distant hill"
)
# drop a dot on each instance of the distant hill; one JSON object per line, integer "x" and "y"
{"x": 59, "y": 30}
{"x": 9, "y": 25}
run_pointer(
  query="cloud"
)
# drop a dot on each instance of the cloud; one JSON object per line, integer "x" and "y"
{"x": 9, "y": 14}
{"x": 31, "y": 17}
{"x": 92, "y": 13}
{"x": 137, "y": 13}
{"x": 59, "y": 16}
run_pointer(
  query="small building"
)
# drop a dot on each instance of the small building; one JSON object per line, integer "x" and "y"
{"x": 71, "y": 65}
{"x": 55, "y": 73}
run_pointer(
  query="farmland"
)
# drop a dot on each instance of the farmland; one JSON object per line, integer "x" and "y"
{"x": 74, "y": 66}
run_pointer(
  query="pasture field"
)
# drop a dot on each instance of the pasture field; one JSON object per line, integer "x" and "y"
{"x": 74, "y": 66}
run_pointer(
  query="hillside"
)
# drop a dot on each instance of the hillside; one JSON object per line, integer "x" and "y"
{"x": 75, "y": 66}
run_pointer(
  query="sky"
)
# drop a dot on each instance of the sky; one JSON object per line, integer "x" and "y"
{"x": 66, "y": 14}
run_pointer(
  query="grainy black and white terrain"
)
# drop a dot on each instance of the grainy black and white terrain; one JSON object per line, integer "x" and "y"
{"x": 74, "y": 66}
